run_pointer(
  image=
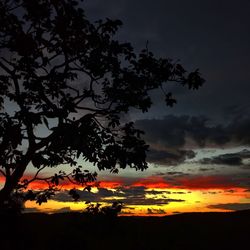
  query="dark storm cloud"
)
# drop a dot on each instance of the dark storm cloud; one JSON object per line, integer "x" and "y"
{"x": 245, "y": 167}
{"x": 169, "y": 158}
{"x": 234, "y": 159}
{"x": 103, "y": 192}
{"x": 213, "y": 36}
{"x": 231, "y": 206}
{"x": 174, "y": 131}
{"x": 176, "y": 173}
{"x": 236, "y": 112}
{"x": 223, "y": 159}
{"x": 172, "y": 176}
{"x": 138, "y": 192}
{"x": 206, "y": 169}
{"x": 226, "y": 159}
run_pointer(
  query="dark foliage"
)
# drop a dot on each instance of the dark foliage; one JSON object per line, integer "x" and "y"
{"x": 73, "y": 79}
{"x": 110, "y": 211}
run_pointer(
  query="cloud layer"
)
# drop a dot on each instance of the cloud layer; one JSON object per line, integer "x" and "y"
{"x": 174, "y": 139}
{"x": 233, "y": 159}
{"x": 133, "y": 195}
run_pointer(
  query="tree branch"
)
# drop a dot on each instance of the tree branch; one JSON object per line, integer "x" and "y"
{"x": 5, "y": 68}
{"x": 35, "y": 176}
{"x": 3, "y": 173}
{"x": 45, "y": 141}
{"x": 26, "y": 121}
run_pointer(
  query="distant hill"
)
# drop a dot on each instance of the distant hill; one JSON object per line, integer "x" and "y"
{"x": 199, "y": 231}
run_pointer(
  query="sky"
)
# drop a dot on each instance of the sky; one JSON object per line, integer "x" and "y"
{"x": 199, "y": 149}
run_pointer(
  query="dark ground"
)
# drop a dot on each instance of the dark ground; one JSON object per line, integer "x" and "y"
{"x": 74, "y": 231}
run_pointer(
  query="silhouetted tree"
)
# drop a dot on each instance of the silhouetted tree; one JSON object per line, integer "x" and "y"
{"x": 71, "y": 79}
{"x": 110, "y": 211}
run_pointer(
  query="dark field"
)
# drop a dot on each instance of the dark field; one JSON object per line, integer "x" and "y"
{"x": 75, "y": 231}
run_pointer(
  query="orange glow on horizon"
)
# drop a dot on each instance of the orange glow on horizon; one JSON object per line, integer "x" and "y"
{"x": 151, "y": 182}
{"x": 189, "y": 194}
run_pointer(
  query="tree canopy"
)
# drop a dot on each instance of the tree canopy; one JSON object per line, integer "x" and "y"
{"x": 73, "y": 78}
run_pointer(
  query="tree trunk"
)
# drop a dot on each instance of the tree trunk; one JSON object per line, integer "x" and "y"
{"x": 7, "y": 203}
{"x": 5, "y": 195}
{"x": 9, "y": 217}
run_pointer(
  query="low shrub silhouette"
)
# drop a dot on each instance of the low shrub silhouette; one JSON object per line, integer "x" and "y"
{"x": 104, "y": 211}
